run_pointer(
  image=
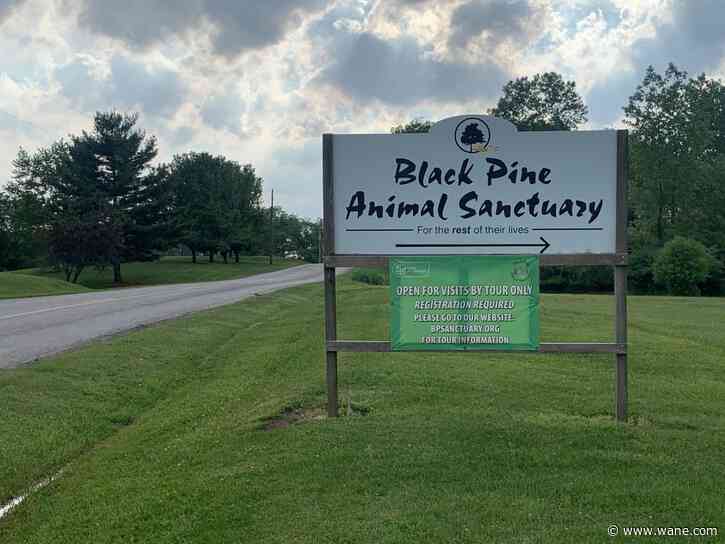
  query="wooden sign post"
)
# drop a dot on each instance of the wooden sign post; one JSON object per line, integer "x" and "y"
{"x": 476, "y": 186}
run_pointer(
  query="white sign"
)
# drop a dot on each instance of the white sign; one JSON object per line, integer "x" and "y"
{"x": 475, "y": 185}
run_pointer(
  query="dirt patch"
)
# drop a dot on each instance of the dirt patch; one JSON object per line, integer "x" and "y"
{"x": 294, "y": 415}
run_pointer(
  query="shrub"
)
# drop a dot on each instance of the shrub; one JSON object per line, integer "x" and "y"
{"x": 576, "y": 279}
{"x": 681, "y": 265}
{"x": 372, "y": 276}
{"x": 641, "y": 265}
{"x": 714, "y": 285}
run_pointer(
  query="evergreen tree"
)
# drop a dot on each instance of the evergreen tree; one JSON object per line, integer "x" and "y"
{"x": 96, "y": 186}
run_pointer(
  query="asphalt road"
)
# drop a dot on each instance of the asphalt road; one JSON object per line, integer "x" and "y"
{"x": 35, "y": 327}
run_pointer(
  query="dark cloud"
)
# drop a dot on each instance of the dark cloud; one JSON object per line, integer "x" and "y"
{"x": 140, "y": 22}
{"x": 240, "y": 24}
{"x": 157, "y": 91}
{"x": 694, "y": 39}
{"x": 702, "y": 21}
{"x": 495, "y": 20}
{"x": 397, "y": 72}
{"x": 131, "y": 85}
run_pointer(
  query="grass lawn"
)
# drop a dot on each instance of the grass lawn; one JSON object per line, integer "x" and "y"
{"x": 160, "y": 434}
{"x": 173, "y": 270}
{"x": 13, "y": 285}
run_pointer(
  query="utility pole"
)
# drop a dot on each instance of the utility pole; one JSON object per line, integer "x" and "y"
{"x": 271, "y": 229}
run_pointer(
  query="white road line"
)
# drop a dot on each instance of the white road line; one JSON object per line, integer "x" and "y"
{"x": 119, "y": 299}
{"x": 7, "y": 508}
{"x": 67, "y": 307}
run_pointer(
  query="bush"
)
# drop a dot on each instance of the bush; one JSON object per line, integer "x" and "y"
{"x": 714, "y": 285}
{"x": 576, "y": 279}
{"x": 641, "y": 265}
{"x": 372, "y": 276}
{"x": 682, "y": 265}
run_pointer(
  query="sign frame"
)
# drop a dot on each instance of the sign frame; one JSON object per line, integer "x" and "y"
{"x": 618, "y": 260}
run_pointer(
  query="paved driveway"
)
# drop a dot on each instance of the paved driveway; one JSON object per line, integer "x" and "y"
{"x": 35, "y": 327}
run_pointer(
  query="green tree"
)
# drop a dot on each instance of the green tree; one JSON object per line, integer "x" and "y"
{"x": 100, "y": 182}
{"x": 10, "y": 256}
{"x": 20, "y": 243}
{"x": 682, "y": 265}
{"x": 677, "y": 163}
{"x": 216, "y": 204}
{"x": 543, "y": 102}
{"x": 80, "y": 242}
{"x": 114, "y": 160}
{"x": 415, "y": 126}
{"x": 547, "y": 102}
{"x": 46, "y": 199}
{"x": 28, "y": 196}
{"x": 295, "y": 236}
{"x": 676, "y": 157}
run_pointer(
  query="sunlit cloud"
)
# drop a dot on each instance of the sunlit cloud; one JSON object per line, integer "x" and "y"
{"x": 260, "y": 82}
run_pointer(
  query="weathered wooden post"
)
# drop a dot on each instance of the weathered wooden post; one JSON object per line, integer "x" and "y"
{"x": 330, "y": 295}
{"x": 620, "y": 276}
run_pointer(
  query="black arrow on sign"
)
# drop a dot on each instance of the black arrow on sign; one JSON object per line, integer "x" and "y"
{"x": 544, "y": 245}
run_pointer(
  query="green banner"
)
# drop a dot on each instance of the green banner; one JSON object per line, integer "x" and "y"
{"x": 464, "y": 303}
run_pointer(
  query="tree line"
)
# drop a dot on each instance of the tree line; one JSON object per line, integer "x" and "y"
{"x": 676, "y": 194}
{"x": 97, "y": 200}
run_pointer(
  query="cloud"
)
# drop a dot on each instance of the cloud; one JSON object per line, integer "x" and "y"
{"x": 302, "y": 67}
{"x": 130, "y": 84}
{"x": 223, "y": 112}
{"x": 181, "y": 136}
{"x": 493, "y": 20}
{"x": 575, "y": 11}
{"x": 155, "y": 90}
{"x": 399, "y": 72}
{"x": 299, "y": 162}
{"x": 343, "y": 16}
{"x": 6, "y": 6}
{"x": 694, "y": 38}
{"x": 239, "y": 25}
{"x": 702, "y": 22}
{"x": 78, "y": 84}
{"x": 13, "y": 124}
{"x": 607, "y": 98}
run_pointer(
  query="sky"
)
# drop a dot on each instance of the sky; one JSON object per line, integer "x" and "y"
{"x": 260, "y": 81}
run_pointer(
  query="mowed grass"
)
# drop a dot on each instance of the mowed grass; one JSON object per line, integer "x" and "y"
{"x": 173, "y": 270}
{"x": 13, "y": 285}
{"x": 159, "y": 431}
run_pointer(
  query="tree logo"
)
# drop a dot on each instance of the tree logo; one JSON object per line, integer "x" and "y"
{"x": 472, "y": 135}
{"x": 520, "y": 271}
{"x": 412, "y": 270}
